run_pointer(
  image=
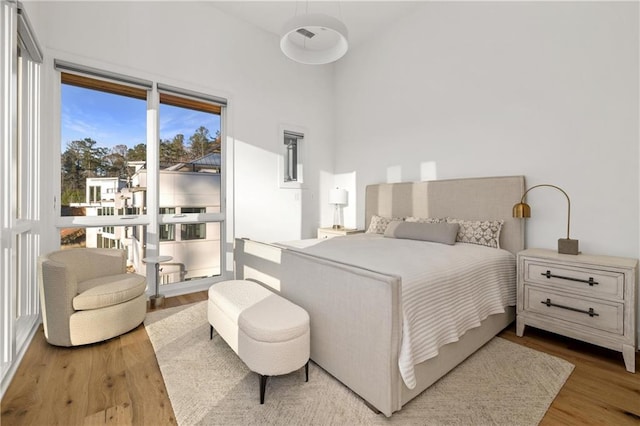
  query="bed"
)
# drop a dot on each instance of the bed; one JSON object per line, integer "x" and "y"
{"x": 358, "y": 314}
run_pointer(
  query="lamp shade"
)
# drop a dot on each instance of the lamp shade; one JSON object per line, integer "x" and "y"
{"x": 521, "y": 210}
{"x": 338, "y": 196}
{"x": 314, "y": 39}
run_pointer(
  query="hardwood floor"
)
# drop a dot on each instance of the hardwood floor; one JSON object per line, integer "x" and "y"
{"x": 599, "y": 391}
{"x": 118, "y": 382}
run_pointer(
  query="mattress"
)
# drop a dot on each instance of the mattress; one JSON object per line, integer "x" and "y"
{"x": 446, "y": 289}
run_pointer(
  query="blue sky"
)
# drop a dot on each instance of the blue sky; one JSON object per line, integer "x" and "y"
{"x": 113, "y": 120}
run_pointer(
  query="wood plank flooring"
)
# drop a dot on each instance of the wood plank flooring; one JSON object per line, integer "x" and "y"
{"x": 118, "y": 382}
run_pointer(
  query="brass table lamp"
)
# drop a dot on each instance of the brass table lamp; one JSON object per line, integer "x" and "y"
{"x": 522, "y": 210}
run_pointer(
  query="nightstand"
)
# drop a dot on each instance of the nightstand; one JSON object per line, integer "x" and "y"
{"x": 324, "y": 233}
{"x": 586, "y": 297}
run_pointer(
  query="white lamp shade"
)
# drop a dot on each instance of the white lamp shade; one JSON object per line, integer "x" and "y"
{"x": 314, "y": 39}
{"x": 338, "y": 196}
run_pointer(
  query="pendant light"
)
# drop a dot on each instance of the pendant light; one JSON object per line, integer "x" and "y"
{"x": 314, "y": 39}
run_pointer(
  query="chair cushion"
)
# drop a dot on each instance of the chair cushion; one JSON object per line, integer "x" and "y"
{"x": 109, "y": 290}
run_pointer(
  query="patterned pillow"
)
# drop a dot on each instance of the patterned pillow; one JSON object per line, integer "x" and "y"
{"x": 424, "y": 219}
{"x": 379, "y": 224}
{"x": 482, "y": 232}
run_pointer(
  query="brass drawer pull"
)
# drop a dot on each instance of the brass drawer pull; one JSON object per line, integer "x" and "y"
{"x": 590, "y": 312}
{"x": 590, "y": 281}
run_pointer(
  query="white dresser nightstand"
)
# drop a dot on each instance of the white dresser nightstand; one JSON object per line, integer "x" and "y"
{"x": 324, "y": 233}
{"x": 586, "y": 297}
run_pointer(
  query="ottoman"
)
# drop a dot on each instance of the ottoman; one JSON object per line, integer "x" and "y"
{"x": 269, "y": 334}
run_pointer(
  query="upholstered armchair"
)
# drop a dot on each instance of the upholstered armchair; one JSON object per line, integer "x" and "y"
{"x": 87, "y": 296}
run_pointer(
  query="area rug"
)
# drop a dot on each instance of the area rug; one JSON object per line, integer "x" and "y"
{"x": 502, "y": 384}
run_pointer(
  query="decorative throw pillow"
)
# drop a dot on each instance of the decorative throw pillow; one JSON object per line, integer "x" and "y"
{"x": 424, "y": 219}
{"x": 482, "y": 232}
{"x": 379, "y": 224}
{"x": 390, "y": 232}
{"x": 439, "y": 232}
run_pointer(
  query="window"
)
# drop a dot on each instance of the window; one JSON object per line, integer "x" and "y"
{"x": 94, "y": 194}
{"x": 150, "y": 153}
{"x": 291, "y": 157}
{"x": 291, "y": 141}
{"x": 105, "y": 211}
{"x": 167, "y": 230}
{"x": 103, "y": 144}
{"x": 195, "y": 231}
{"x": 190, "y": 181}
{"x": 21, "y": 195}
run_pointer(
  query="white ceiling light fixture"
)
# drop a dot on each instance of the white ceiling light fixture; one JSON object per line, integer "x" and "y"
{"x": 314, "y": 39}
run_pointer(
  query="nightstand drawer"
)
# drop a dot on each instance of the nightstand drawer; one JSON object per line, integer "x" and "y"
{"x": 579, "y": 279}
{"x": 586, "y": 313}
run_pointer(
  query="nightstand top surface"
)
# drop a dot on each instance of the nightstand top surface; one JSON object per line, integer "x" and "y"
{"x": 623, "y": 262}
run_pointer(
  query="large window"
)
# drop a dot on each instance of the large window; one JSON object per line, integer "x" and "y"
{"x": 103, "y": 141}
{"x": 20, "y": 181}
{"x": 190, "y": 179}
{"x": 131, "y": 147}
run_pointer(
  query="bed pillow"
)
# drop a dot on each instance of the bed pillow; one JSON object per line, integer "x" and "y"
{"x": 424, "y": 219}
{"x": 482, "y": 232}
{"x": 379, "y": 224}
{"x": 438, "y": 232}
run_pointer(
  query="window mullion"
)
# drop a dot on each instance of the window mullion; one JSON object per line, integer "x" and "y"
{"x": 153, "y": 175}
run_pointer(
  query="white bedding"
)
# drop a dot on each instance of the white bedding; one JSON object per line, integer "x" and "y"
{"x": 446, "y": 290}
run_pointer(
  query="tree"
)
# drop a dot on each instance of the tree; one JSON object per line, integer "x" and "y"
{"x": 217, "y": 143}
{"x": 81, "y": 159}
{"x": 137, "y": 153}
{"x": 116, "y": 161}
{"x": 172, "y": 151}
{"x": 201, "y": 143}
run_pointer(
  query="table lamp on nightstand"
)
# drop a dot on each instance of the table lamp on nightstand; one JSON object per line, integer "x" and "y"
{"x": 338, "y": 197}
{"x": 522, "y": 210}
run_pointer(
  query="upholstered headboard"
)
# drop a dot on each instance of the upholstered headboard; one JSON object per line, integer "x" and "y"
{"x": 471, "y": 199}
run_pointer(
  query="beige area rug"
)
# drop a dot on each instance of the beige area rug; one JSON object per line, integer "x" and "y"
{"x": 501, "y": 384}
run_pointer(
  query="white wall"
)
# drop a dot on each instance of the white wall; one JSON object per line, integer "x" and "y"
{"x": 195, "y": 45}
{"x": 541, "y": 89}
{"x": 547, "y": 90}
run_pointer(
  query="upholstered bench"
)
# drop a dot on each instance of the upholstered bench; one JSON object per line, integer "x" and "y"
{"x": 269, "y": 333}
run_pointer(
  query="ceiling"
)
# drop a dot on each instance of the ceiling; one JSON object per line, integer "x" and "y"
{"x": 362, "y": 18}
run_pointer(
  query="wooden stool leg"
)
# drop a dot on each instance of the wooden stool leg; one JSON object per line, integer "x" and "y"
{"x": 263, "y": 386}
{"x": 306, "y": 371}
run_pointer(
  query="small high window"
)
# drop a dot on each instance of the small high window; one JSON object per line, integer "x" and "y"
{"x": 291, "y": 167}
{"x": 291, "y": 157}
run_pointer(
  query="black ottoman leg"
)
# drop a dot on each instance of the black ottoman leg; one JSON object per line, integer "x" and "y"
{"x": 263, "y": 386}
{"x": 211, "y": 333}
{"x": 306, "y": 371}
